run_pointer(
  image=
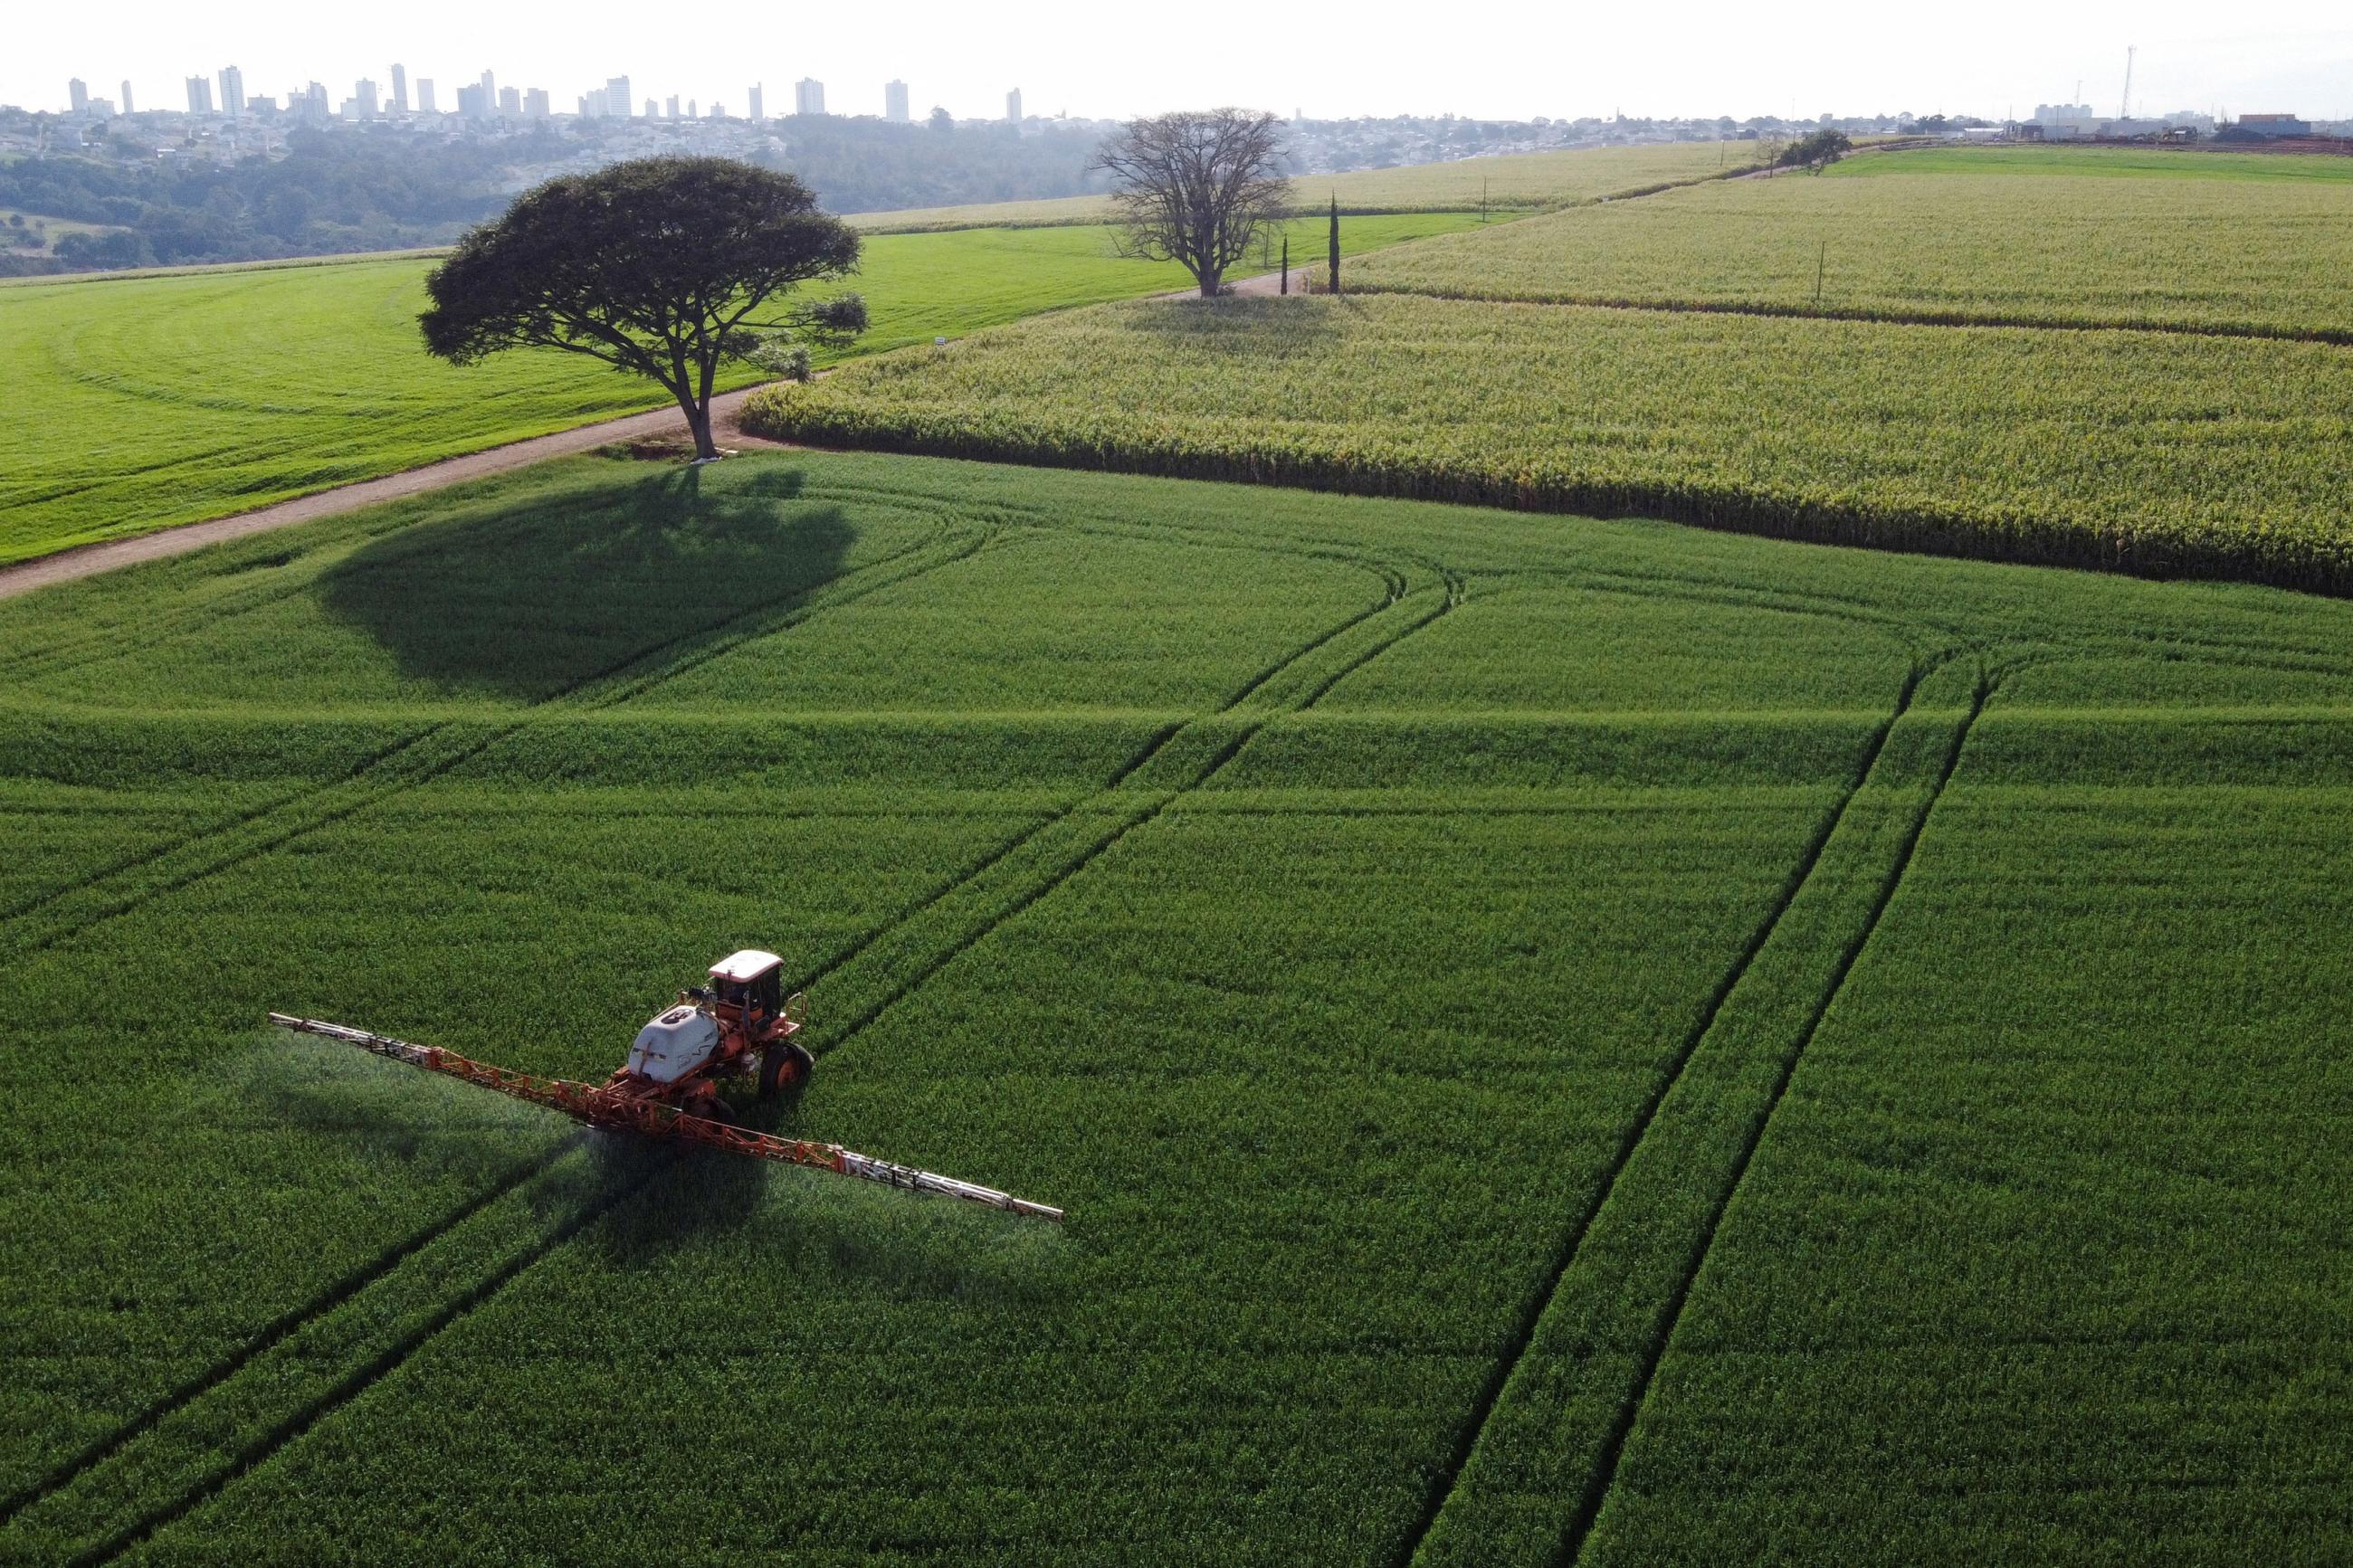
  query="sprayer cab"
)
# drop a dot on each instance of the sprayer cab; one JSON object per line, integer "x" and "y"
{"x": 746, "y": 989}
{"x": 739, "y": 1024}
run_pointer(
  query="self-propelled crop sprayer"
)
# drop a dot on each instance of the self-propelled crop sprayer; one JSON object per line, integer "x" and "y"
{"x": 740, "y": 1023}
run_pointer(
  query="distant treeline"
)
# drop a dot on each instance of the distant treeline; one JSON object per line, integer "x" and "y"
{"x": 350, "y": 188}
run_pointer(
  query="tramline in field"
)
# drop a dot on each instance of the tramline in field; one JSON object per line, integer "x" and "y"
{"x": 740, "y": 1023}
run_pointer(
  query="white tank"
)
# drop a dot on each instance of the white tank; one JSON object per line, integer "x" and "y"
{"x": 674, "y": 1045}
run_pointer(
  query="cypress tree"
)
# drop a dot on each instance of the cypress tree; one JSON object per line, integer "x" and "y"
{"x": 1336, "y": 242}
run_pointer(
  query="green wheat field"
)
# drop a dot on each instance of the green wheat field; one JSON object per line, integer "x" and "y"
{"x": 1567, "y": 1030}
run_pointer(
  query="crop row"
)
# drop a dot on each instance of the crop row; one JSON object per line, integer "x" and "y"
{"x": 2078, "y": 247}
{"x": 2139, "y": 452}
{"x": 1329, "y": 1056}
{"x": 1302, "y": 1170}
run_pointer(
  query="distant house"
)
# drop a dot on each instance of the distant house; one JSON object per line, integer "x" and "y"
{"x": 2274, "y": 125}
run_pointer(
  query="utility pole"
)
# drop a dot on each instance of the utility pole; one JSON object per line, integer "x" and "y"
{"x": 1286, "y": 265}
{"x": 2124, "y": 110}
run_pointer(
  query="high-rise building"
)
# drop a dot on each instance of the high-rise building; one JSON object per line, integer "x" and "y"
{"x": 673, "y": 106}
{"x": 510, "y": 102}
{"x": 617, "y": 97}
{"x": 1013, "y": 106}
{"x": 400, "y": 89}
{"x": 692, "y": 112}
{"x": 653, "y": 109}
{"x": 126, "y": 96}
{"x": 808, "y": 95}
{"x": 363, "y": 94}
{"x": 894, "y": 101}
{"x": 475, "y": 102}
{"x": 78, "y": 94}
{"x": 534, "y": 104}
{"x": 200, "y": 95}
{"x": 232, "y": 86}
{"x": 759, "y": 107}
{"x": 489, "y": 95}
{"x": 425, "y": 96}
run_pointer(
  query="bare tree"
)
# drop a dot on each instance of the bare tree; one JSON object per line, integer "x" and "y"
{"x": 1197, "y": 188}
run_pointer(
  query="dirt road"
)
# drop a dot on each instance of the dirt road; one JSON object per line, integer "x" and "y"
{"x": 87, "y": 560}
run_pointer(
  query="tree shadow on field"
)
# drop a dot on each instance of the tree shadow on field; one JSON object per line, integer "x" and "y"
{"x": 1236, "y": 325}
{"x": 529, "y": 597}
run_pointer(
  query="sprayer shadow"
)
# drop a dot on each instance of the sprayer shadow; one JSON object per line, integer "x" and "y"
{"x": 708, "y": 1212}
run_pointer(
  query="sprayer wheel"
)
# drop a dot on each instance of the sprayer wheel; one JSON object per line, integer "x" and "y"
{"x": 784, "y": 1068}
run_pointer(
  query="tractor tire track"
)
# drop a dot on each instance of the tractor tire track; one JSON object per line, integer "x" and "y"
{"x": 724, "y": 635}
{"x": 351, "y": 1285}
{"x": 1444, "y": 1484}
{"x": 293, "y": 1426}
{"x": 358, "y": 789}
{"x": 1604, "y": 1479}
{"x": 273, "y": 1334}
{"x": 261, "y": 1449}
{"x": 1056, "y": 875}
{"x": 1395, "y": 585}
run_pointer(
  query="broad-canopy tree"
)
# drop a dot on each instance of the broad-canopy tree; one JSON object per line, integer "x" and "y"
{"x": 1197, "y": 188}
{"x": 660, "y": 267}
{"x": 1816, "y": 149}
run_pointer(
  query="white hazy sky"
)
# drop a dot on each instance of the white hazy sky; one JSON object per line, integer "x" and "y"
{"x": 1327, "y": 57}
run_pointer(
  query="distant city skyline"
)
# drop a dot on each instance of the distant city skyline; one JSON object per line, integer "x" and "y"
{"x": 1849, "y": 57}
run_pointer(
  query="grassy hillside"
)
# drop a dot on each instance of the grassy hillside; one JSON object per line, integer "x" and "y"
{"x": 1525, "y": 182}
{"x": 142, "y": 402}
{"x": 2149, "y": 452}
{"x": 2220, "y": 242}
{"x": 1599, "y": 1041}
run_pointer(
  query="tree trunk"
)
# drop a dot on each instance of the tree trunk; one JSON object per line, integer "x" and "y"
{"x": 1210, "y": 278}
{"x": 697, "y": 422}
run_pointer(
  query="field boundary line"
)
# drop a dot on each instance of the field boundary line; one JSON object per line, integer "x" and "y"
{"x": 2049, "y": 539}
{"x": 2332, "y": 337}
{"x": 1444, "y": 1483}
{"x": 1600, "y": 1485}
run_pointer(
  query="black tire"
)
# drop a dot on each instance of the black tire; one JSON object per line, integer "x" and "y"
{"x": 716, "y": 1108}
{"x": 785, "y": 1068}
